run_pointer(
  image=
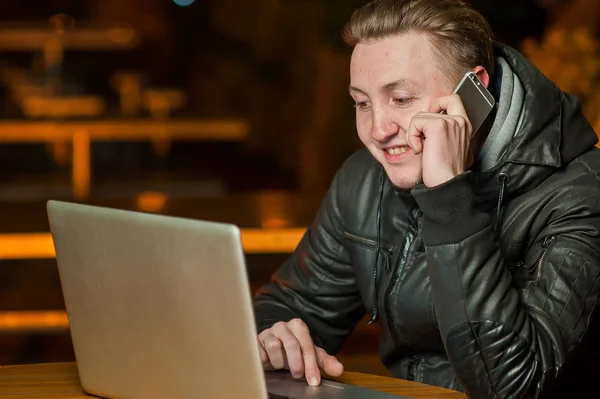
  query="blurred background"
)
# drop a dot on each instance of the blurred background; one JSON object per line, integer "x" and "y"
{"x": 228, "y": 110}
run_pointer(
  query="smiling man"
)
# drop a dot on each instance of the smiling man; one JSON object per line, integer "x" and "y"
{"x": 392, "y": 81}
{"x": 478, "y": 258}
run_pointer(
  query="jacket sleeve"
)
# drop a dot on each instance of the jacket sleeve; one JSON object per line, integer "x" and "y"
{"x": 506, "y": 341}
{"x": 317, "y": 283}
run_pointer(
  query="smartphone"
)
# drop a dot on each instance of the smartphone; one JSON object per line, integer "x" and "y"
{"x": 476, "y": 99}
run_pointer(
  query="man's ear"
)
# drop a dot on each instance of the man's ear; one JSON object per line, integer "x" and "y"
{"x": 482, "y": 74}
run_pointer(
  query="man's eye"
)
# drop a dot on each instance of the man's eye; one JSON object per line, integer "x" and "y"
{"x": 403, "y": 101}
{"x": 363, "y": 105}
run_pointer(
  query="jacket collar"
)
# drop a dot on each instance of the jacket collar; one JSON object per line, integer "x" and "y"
{"x": 553, "y": 132}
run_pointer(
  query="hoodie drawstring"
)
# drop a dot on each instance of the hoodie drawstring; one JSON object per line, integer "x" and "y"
{"x": 503, "y": 180}
{"x": 378, "y": 249}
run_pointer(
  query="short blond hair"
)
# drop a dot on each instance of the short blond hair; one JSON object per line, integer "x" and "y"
{"x": 460, "y": 37}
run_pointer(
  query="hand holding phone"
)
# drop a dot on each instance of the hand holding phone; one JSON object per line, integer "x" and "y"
{"x": 443, "y": 135}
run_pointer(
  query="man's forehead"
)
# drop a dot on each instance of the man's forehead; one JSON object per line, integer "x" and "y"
{"x": 403, "y": 62}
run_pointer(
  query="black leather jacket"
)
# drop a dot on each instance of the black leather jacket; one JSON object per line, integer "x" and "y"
{"x": 485, "y": 284}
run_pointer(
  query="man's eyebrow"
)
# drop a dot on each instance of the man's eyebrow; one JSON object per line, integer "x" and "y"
{"x": 400, "y": 84}
{"x": 354, "y": 89}
{"x": 397, "y": 84}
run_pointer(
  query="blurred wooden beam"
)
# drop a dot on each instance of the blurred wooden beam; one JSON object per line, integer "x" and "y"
{"x": 271, "y": 241}
{"x": 81, "y": 165}
{"x": 207, "y": 129}
{"x": 82, "y": 133}
{"x": 43, "y": 321}
{"x": 254, "y": 241}
{"x": 90, "y": 38}
{"x": 65, "y": 107}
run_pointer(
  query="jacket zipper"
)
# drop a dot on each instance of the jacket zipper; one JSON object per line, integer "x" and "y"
{"x": 548, "y": 241}
{"x": 407, "y": 250}
{"x": 412, "y": 368}
{"x": 370, "y": 243}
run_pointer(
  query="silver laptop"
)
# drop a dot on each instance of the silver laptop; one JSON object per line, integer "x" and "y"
{"x": 160, "y": 307}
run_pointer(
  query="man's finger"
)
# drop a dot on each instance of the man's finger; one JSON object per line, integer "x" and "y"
{"x": 416, "y": 132}
{"x": 415, "y": 135}
{"x": 291, "y": 346}
{"x": 264, "y": 358}
{"x": 329, "y": 363}
{"x": 309, "y": 356}
{"x": 451, "y": 105}
{"x": 274, "y": 349}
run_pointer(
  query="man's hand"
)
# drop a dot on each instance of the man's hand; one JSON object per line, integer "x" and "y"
{"x": 290, "y": 346}
{"x": 443, "y": 135}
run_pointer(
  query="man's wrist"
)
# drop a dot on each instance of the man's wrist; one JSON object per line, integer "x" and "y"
{"x": 449, "y": 212}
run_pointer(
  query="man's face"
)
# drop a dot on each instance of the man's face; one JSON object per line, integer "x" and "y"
{"x": 390, "y": 81}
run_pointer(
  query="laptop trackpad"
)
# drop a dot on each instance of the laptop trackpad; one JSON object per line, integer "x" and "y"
{"x": 281, "y": 385}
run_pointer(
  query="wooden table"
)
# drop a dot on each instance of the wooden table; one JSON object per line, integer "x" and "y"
{"x": 60, "y": 381}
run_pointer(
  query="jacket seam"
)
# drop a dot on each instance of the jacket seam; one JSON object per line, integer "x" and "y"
{"x": 325, "y": 276}
{"x": 566, "y": 211}
{"x": 592, "y": 197}
{"x": 475, "y": 336}
{"x": 587, "y": 165}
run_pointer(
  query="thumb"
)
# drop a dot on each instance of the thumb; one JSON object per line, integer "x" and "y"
{"x": 329, "y": 364}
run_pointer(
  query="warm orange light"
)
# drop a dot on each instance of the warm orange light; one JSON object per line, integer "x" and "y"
{"x": 122, "y": 34}
{"x": 265, "y": 241}
{"x": 61, "y": 107}
{"x": 151, "y": 201}
{"x": 81, "y": 165}
{"x": 34, "y": 320}
{"x": 255, "y": 241}
{"x": 272, "y": 210}
{"x": 274, "y": 223}
{"x": 26, "y": 246}
{"x": 160, "y": 131}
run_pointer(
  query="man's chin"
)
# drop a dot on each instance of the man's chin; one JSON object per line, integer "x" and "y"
{"x": 406, "y": 186}
{"x": 406, "y": 182}
{"x": 405, "y": 176}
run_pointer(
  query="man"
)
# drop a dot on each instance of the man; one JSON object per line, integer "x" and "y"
{"x": 479, "y": 259}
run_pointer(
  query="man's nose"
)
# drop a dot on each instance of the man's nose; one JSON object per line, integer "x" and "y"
{"x": 384, "y": 126}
